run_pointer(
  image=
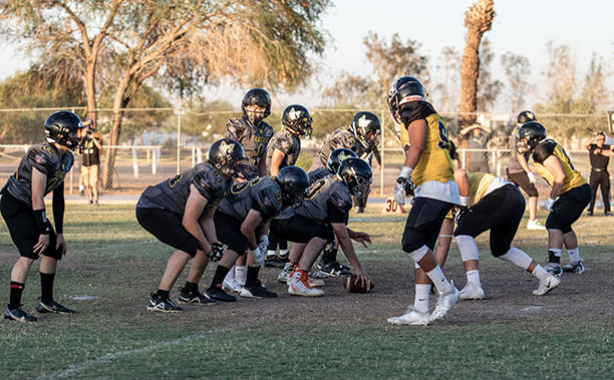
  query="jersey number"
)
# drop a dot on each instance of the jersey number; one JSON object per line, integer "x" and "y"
{"x": 239, "y": 187}
{"x": 315, "y": 189}
{"x": 173, "y": 181}
{"x": 567, "y": 157}
{"x": 443, "y": 135}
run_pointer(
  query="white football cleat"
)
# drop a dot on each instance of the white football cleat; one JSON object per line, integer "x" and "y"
{"x": 472, "y": 291}
{"x": 445, "y": 303}
{"x": 232, "y": 286}
{"x": 411, "y": 317}
{"x": 299, "y": 286}
{"x": 547, "y": 285}
{"x": 534, "y": 225}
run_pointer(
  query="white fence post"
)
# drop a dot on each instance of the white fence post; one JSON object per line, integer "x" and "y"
{"x": 382, "y": 165}
{"x": 135, "y": 164}
{"x": 199, "y": 155}
{"x": 153, "y": 161}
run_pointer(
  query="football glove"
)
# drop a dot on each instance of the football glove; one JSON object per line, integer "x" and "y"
{"x": 404, "y": 186}
{"x": 217, "y": 251}
{"x": 549, "y": 204}
{"x": 264, "y": 243}
{"x": 531, "y": 177}
{"x": 258, "y": 257}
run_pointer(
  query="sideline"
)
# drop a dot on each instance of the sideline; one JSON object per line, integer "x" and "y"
{"x": 76, "y": 368}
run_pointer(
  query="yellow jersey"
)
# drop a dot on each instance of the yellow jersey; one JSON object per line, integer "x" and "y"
{"x": 548, "y": 148}
{"x": 435, "y": 163}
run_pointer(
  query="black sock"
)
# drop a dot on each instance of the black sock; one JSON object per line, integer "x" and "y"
{"x": 47, "y": 287}
{"x": 191, "y": 286}
{"x": 218, "y": 277}
{"x": 163, "y": 293}
{"x": 329, "y": 255}
{"x": 16, "y": 291}
{"x": 252, "y": 276}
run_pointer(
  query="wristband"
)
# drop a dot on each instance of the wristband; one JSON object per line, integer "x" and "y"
{"x": 406, "y": 172}
{"x": 41, "y": 221}
{"x": 464, "y": 201}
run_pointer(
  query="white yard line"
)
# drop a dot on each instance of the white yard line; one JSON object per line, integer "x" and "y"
{"x": 76, "y": 368}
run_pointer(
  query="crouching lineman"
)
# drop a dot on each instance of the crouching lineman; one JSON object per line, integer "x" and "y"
{"x": 283, "y": 150}
{"x": 428, "y": 173}
{"x": 496, "y": 205}
{"x": 568, "y": 198}
{"x": 179, "y": 212}
{"x": 242, "y": 221}
{"x": 41, "y": 171}
{"x": 322, "y": 217}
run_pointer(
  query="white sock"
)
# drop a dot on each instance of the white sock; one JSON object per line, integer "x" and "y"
{"x": 540, "y": 273}
{"x": 231, "y": 275}
{"x": 439, "y": 280}
{"x": 271, "y": 253}
{"x": 241, "y": 274}
{"x": 574, "y": 256}
{"x": 557, "y": 253}
{"x": 283, "y": 252}
{"x": 473, "y": 276}
{"x": 421, "y": 302}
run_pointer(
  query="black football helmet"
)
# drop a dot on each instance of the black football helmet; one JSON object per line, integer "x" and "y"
{"x": 529, "y": 136}
{"x": 293, "y": 182}
{"x": 227, "y": 156}
{"x": 337, "y": 156}
{"x": 357, "y": 175}
{"x": 525, "y": 117}
{"x": 296, "y": 118}
{"x": 403, "y": 90}
{"x": 260, "y": 98}
{"x": 64, "y": 128}
{"x": 366, "y": 127}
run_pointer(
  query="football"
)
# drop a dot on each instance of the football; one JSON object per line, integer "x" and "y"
{"x": 350, "y": 284}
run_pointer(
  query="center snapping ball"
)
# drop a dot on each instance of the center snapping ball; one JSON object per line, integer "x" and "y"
{"x": 353, "y": 286}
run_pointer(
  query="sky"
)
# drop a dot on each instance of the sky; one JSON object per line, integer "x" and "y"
{"x": 521, "y": 26}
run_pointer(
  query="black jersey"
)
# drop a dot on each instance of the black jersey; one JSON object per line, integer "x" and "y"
{"x": 262, "y": 194}
{"x": 173, "y": 193}
{"x": 286, "y": 142}
{"x": 340, "y": 138}
{"x": 327, "y": 201}
{"x": 253, "y": 139}
{"x": 318, "y": 174}
{"x": 46, "y": 159}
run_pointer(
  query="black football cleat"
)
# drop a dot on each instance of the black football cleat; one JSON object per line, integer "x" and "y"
{"x": 194, "y": 298}
{"x": 219, "y": 294}
{"x": 257, "y": 291}
{"x": 334, "y": 269}
{"x": 53, "y": 307}
{"x": 164, "y": 305}
{"x": 17, "y": 314}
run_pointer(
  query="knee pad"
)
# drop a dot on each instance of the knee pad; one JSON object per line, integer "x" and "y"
{"x": 468, "y": 248}
{"x": 419, "y": 253}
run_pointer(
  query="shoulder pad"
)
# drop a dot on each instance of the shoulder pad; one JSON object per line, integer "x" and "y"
{"x": 543, "y": 151}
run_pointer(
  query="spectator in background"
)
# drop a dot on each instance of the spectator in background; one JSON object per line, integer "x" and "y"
{"x": 600, "y": 157}
{"x": 519, "y": 173}
{"x": 92, "y": 150}
{"x": 477, "y": 137}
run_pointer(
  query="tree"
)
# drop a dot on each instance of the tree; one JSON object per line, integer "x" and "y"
{"x": 478, "y": 20}
{"x": 446, "y": 90}
{"x": 488, "y": 88}
{"x": 517, "y": 69}
{"x": 182, "y": 44}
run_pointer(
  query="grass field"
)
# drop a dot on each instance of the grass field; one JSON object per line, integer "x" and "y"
{"x": 113, "y": 265}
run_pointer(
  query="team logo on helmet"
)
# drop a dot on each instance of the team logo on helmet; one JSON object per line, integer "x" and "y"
{"x": 363, "y": 121}
{"x": 294, "y": 114}
{"x": 226, "y": 148}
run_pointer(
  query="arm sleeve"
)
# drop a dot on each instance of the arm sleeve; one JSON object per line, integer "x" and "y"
{"x": 58, "y": 208}
{"x": 543, "y": 151}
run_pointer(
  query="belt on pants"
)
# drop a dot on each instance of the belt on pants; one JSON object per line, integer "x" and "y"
{"x": 598, "y": 170}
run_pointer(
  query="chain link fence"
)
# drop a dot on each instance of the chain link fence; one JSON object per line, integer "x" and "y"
{"x": 148, "y": 151}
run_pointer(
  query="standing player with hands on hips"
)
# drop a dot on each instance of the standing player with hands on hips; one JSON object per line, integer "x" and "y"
{"x": 428, "y": 175}
{"x": 42, "y": 170}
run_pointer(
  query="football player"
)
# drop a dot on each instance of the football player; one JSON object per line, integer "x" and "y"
{"x": 428, "y": 175}
{"x": 328, "y": 264}
{"x": 242, "y": 222}
{"x": 496, "y": 205}
{"x": 283, "y": 150}
{"x": 568, "y": 198}
{"x": 41, "y": 171}
{"x": 322, "y": 217}
{"x": 366, "y": 128}
{"x": 254, "y": 135}
{"x": 518, "y": 172}
{"x": 179, "y": 212}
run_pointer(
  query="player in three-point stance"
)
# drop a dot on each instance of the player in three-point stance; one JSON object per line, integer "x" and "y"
{"x": 568, "y": 198}
{"x": 42, "y": 170}
{"x": 179, "y": 212}
{"x": 428, "y": 175}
